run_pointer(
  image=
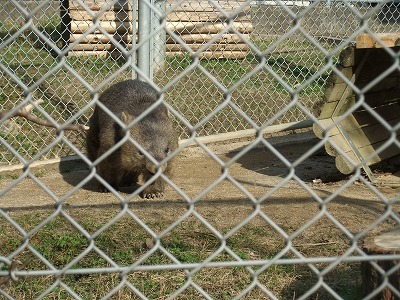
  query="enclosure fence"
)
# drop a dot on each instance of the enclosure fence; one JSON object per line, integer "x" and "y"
{"x": 221, "y": 67}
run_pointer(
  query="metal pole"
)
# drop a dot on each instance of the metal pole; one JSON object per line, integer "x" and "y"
{"x": 144, "y": 28}
{"x": 159, "y": 49}
{"x": 133, "y": 39}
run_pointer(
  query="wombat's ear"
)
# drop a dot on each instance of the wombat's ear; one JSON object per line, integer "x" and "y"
{"x": 126, "y": 118}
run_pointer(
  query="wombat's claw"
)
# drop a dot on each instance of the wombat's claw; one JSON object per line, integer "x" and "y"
{"x": 103, "y": 189}
{"x": 152, "y": 195}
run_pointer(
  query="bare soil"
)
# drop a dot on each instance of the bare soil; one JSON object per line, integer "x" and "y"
{"x": 224, "y": 196}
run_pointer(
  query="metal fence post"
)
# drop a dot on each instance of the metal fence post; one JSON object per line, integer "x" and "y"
{"x": 159, "y": 49}
{"x": 144, "y": 39}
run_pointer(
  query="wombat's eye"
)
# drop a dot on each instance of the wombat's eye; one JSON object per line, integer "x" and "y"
{"x": 140, "y": 153}
{"x": 167, "y": 151}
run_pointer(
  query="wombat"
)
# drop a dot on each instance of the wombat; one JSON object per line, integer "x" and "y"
{"x": 154, "y": 132}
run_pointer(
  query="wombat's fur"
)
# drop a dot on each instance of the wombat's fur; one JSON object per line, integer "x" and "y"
{"x": 155, "y": 133}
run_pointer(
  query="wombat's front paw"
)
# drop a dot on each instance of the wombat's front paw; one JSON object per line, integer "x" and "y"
{"x": 103, "y": 189}
{"x": 151, "y": 192}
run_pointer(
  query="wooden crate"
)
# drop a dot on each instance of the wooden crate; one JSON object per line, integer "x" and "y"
{"x": 355, "y": 134}
{"x": 197, "y": 24}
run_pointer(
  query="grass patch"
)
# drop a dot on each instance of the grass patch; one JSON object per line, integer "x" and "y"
{"x": 61, "y": 243}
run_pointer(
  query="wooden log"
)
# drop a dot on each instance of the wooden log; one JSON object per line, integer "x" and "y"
{"x": 330, "y": 149}
{"x": 208, "y": 28}
{"x": 99, "y": 38}
{"x": 365, "y": 40}
{"x": 188, "y": 5}
{"x": 229, "y": 38}
{"x": 206, "y": 6}
{"x": 386, "y": 243}
{"x": 346, "y": 167}
{"x": 324, "y": 127}
{"x": 212, "y": 47}
{"x": 82, "y": 15}
{"x": 197, "y": 22}
{"x": 78, "y": 27}
{"x": 98, "y": 47}
{"x": 96, "y": 5}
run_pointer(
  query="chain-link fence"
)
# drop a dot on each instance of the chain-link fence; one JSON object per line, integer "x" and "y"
{"x": 293, "y": 39}
{"x": 254, "y": 222}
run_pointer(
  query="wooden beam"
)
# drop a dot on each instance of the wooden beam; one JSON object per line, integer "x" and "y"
{"x": 365, "y": 40}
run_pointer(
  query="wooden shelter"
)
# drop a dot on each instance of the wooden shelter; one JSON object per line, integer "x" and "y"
{"x": 353, "y": 121}
{"x": 194, "y": 23}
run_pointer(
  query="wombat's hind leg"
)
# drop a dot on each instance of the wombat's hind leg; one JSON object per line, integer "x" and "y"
{"x": 110, "y": 175}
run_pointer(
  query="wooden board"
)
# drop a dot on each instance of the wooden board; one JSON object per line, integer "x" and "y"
{"x": 379, "y": 40}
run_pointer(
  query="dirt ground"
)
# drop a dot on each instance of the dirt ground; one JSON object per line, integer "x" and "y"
{"x": 290, "y": 196}
{"x": 255, "y": 203}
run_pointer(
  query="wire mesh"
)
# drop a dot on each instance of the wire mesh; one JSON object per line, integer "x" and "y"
{"x": 252, "y": 223}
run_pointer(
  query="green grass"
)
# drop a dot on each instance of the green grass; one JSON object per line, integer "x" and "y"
{"x": 194, "y": 96}
{"x": 59, "y": 243}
